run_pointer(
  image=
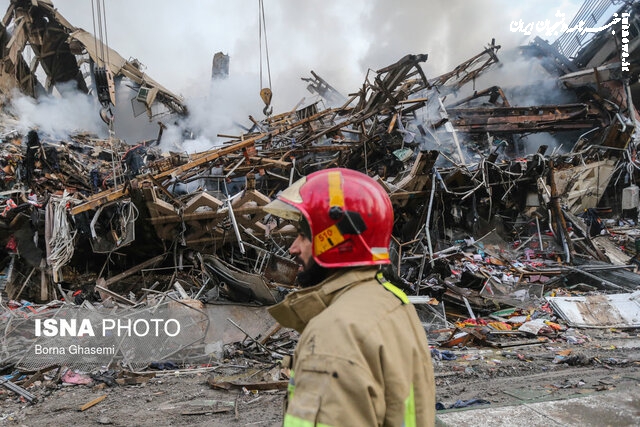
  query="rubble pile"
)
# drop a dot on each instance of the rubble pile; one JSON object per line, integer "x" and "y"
{"x": 498, "y": 242}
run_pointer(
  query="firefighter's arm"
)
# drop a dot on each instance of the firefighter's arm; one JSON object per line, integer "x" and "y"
{"x": 332, "y": 391}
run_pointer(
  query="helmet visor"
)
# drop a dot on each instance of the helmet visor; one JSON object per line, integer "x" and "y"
{"x": 283, "y": 210}
{"x": 283, "y": 206}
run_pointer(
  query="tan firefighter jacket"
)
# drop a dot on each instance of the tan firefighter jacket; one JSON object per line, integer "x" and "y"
{"x": 362, "y": 358}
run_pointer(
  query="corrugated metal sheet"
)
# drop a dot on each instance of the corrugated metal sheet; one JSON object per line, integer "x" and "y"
{"x": 599, "y": 311}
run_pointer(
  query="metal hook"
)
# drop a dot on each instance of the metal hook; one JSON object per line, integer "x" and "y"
{"x": 107, "y": 115}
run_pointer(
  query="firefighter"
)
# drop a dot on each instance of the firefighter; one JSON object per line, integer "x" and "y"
{"x": 362, "y": 358}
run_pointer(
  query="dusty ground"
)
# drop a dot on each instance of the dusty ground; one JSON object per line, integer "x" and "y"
{"x": 171, "y": 399}
{"x": 532, "y": 373}
{"x": 606, "y": 360}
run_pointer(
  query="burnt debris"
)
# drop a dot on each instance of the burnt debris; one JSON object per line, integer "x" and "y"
{"x": 502, "y": 194}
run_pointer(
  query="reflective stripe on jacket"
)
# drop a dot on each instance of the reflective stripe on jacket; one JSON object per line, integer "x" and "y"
{"x": 362, "y": 358}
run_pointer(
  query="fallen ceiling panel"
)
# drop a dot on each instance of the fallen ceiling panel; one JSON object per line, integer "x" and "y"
{"x": 599, "y": 311}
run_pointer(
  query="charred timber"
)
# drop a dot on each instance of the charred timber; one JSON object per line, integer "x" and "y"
{"x": 543, "y": 118}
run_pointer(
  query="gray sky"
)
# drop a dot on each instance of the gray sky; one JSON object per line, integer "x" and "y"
{"x": 338, "y": 39}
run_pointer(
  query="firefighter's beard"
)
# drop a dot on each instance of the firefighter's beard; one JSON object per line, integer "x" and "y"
{"x": 311, "y": 275}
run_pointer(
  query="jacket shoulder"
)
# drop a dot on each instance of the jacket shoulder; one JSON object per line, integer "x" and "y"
{"x": 365, "y": 312}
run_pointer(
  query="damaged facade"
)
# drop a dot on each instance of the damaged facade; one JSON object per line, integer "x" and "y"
{"x": 485, "y": 226}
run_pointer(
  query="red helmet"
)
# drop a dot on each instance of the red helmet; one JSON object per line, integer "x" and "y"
{"x": 349, "y": 214}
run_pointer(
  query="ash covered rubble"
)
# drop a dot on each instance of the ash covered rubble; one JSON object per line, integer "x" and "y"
{"x": 513, "y": 203}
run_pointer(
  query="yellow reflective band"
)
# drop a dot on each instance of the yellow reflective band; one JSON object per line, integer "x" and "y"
{"x": 327, "y": 239}
{"x": 336, "y": 196}
{"x": 291, "y": 387}
{"x": 392, "y": 288}
{"x": 396, "y": 291}
{"x": 410, "y": 410}
{"x": 292, "y": 420}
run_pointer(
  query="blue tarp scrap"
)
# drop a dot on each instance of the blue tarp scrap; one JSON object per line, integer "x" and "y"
{"x": 462, "y": 404}
{"x": 442, "y": 355}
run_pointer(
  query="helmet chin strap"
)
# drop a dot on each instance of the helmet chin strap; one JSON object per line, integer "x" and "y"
{"x": 358, "y": 229}
{"x": 364, "y": 243}
{"x": 350, "y": 222}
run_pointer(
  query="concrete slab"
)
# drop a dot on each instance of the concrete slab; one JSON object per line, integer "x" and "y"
{"x": 619, "y": 408}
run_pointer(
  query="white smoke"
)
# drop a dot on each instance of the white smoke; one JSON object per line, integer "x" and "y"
{"x": 57, "y": 116}
{"x": 338, "y": 40}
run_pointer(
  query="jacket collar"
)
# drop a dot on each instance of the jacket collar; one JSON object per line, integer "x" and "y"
{"x": 299, "y": 307}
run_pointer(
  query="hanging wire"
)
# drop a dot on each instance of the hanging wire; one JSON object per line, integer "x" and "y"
{"x": 262, "y": 29}
{"x": 260, "y": 38}
{"x": 100, "y": 32}
{"x": 106, "y": 35}
{"x": 63, "y": 235}
{"x": 93, "y": 17}
{"x": 99, "y": 17}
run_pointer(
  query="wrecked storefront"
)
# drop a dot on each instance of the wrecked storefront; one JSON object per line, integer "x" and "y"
{"x": 515, "y": 223}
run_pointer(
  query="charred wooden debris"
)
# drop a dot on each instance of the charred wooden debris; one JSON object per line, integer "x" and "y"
{"x": 482, "y": 220}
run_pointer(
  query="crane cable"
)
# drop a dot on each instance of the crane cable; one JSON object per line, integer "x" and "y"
{"x": 265, "y": 92}
{"x": 104, "y": 79}
{"x": 105, "y": 85}
{"x": 102, "y": 30}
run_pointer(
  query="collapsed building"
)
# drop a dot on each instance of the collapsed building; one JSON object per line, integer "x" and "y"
{"x": 483, "y": 222}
